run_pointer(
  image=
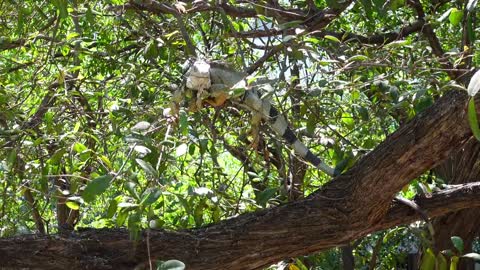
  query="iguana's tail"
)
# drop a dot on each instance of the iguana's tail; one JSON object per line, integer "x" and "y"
{"x": 280, "y": 126}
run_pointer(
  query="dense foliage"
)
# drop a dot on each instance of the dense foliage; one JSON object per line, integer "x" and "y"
{"x": 89, "y": 138}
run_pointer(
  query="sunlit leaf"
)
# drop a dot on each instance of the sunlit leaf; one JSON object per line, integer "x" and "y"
{"x": 455, "y": 16}
{"x": 292, "y": 266}
{"x": 471, "y": 5}
{"x": 454, "y": 262}
{"x": 473, "y": 119}
{"x": 72, "y": 35}
{"x": 357, "y": 58}
{"x": 126, "y": 206}
{"x": 442, "y": 263}
{"x": 332, "y": 38}
{"x": 428, "y": 260}
{"x": 181, "y": 149}
{"x": 140, "y": 126}
{"x": 474, "y": 256}
{"x": 474, "y": 84}
{"x": 444, "y": 15}
{"x": 398, "y": 43}
{"x": 73, "y": 205}
{"x": 202, "y": 191}
{"x": 79, "y": 147}
{"x": 106, "y": 161}
{"x": 141, "y": 149}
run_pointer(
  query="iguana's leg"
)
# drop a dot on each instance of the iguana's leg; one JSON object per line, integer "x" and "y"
{"x": 255, "y": 130}
{"x": 199, "y": 99}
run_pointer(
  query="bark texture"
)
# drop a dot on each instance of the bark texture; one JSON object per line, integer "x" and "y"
{"x": 462, "y": 167}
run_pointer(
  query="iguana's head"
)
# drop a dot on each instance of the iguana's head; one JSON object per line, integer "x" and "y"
{"x": 198, "y": 76}
{"x": 200, "y": 69}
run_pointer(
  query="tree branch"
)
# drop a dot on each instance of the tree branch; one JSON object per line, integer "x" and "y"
{"x": 228, "y": 245}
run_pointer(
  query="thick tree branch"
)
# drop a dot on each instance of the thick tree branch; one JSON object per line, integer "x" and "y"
{"x": 228, "y": 245}
{"x": 378, "y": 39}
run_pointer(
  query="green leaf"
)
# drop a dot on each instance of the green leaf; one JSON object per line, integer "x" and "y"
{"x": 395, "y": 4}
{"x": 263, "y": 197}
{"x": 474, "y": 84}
{"x": 121, "y": 217}
{"x": 72, "y": 35}
{"x": 56, "y": 157}
{"x": 357, "y": 58}
{"x": 472, "y": 118}
{"x": 454, "y": 263}
{"x": 203, "y": 146}
{"x": 147, "y": 167}
{"x": 332, "y": 38}
{"x": 457, "y": 243}
{"x": 428, "y": 260}
{"x": 112, "y": 208}
{"x": 130, "y": 187}
{"x": 347, "y": 119}
{"x": 126, "y": 206}
{"x": 96, "y": 187}
{"x": 150, "y": 51}
{"x": 73, "y": 205}
{"x": 105, "y": 161}
{"x": 398, "y": 43}
{"x": 183, "y": 123}
{"x": 300, "y": 264}
{"x": 79, "y": 147}
{"x": 198, "y": 213}
{"x": 455, "y": 16}
{"x": 170, "y": 265}
{"x": 151, "y": 196}
{"x": 442, "y": 263}
{"x": 62, "y": 6}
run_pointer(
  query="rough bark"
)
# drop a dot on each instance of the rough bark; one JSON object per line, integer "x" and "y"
{"x": 463, "y": 167}
{"x": 247, "y": 242}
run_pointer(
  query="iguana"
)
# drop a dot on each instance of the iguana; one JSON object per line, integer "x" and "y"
{"x": 216, "y": 82}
